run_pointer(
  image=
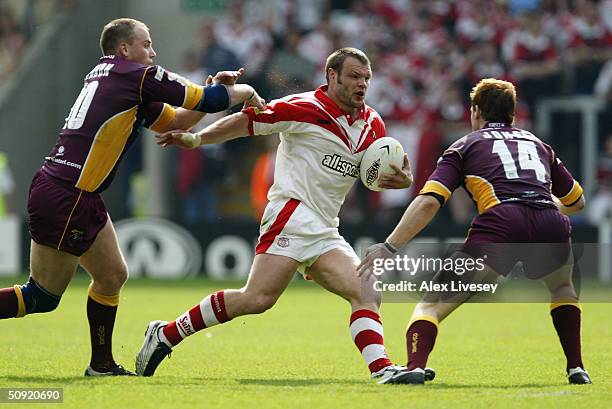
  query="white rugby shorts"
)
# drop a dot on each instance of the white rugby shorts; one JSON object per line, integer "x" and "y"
{"x": 290, "y": 228}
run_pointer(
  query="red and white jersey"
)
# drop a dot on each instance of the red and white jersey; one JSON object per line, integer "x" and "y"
{"x": 321, "y": 147}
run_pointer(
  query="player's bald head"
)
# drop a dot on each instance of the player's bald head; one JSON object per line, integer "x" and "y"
{"x": 496, "y": 100}
{"x": 118, "y": 31}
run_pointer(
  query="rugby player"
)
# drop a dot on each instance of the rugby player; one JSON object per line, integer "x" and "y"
{"x": 324, "y": 134}
{"x": 67, "y": 217}
{"x": 523, "y": 193}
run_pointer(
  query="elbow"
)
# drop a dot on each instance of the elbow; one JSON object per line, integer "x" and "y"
{"x": 429, "y": 203}
{"x": 574, "y": 208}
{"x": 579, "y": 205}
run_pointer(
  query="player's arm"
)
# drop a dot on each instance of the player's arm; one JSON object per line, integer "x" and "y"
{"x": 418, "y": 215}
{"x": 567, "y": 192}
{"x": 159, "y": 85}
{"x": 574, "y": 208}
{"x": 255, "y": 119}
{"x": 225, "y": 129}
{"x": 438, "y": 189}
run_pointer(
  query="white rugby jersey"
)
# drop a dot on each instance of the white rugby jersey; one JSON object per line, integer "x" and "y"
{"x": 318, "y": 159}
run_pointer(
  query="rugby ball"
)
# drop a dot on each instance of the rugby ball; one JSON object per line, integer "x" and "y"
{"x": 377, "y": 159}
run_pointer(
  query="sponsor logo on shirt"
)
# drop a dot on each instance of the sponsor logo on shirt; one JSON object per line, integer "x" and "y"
{"x": 337, "y": 164}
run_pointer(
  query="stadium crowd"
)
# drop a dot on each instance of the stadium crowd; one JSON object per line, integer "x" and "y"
{"x": 426, "y": 56}
{"x": 19, "y": 21}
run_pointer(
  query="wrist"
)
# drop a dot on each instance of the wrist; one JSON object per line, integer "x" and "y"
{"x": 392, "y": 249}
{"x": 191, "y": 140}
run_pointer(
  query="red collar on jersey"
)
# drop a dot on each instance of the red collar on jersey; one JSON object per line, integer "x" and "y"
{"x": 334, "y": 109}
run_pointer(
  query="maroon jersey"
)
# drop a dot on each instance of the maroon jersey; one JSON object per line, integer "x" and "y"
{"x": 502, "y": 164}
{"x": 118, "y": 98}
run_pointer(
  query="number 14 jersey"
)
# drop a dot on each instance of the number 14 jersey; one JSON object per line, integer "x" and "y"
{"x": 501, "y": 164}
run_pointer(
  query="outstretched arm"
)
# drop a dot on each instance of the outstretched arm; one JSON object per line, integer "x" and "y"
{"x": 227, "y": 128}
{"x": 238, "y": 93}
{"x": 418, "y": 215}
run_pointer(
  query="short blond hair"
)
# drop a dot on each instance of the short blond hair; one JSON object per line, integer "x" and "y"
{"x": 120, "y": 30}
{"x": 496, "y": 100}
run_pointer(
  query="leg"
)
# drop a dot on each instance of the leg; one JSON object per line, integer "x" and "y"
{"x": 565, "y": 311}
{"x": 51, "y": 271}
{"x": 335, "y": 271}
{"x": 429, "y": 312}
{"x": 269, "y": 276}
{"x": 106, "y": 266}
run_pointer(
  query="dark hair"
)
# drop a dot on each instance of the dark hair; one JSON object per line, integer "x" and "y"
{"x": 336, "y": 59}
{"x": 116, "y": 32}
{"x": 496, "y": 100}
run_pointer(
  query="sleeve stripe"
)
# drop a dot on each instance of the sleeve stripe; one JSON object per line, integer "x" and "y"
{"x": 573, "y": 195}
{"x": 166, "y": 116}
{"x": 433, "y": 186}
{"x": 250, "y": 113}
{"x": 142, "y": 83}
{"x": 193, "y": 95}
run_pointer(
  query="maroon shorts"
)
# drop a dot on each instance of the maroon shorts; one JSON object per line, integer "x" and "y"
{"x": 512, "y": 232}
{"x": 63, "y": 217}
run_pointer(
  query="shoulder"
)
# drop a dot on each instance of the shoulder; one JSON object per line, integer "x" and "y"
{"x": 375, "y": 120}
{"x": 123, "y": 66}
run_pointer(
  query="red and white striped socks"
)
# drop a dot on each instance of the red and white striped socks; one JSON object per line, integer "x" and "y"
{"x": 211, "y": 311}
{"x": 367, "y": 333}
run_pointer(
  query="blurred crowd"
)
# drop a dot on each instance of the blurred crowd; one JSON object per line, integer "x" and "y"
{"x": 19, "y": 21}
{"x": 426, "y": 55}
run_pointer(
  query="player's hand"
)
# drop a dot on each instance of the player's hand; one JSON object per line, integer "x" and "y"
{"x": 255, "y": 101}
{"x": 178, "y": 137}
{"x": 374, "y": 252}
{"x": 400, "y": 180}
{"x": 225, "y": 77}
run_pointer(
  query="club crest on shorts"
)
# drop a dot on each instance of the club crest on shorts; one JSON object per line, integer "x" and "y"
{"x": 76, "y": 236}
{"x": 282, "y": 242}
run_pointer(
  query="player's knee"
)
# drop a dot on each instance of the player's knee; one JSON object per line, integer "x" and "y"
{"x": 113, "y": 281}
{"x": 562, "y": 290}
{"x": 36, "y": 299}
{"x": 261, "y": 303}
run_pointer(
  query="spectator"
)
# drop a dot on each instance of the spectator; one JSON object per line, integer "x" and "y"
{"x": 7, "y": 187}
{"x": 215, "y": 57}
{"x": 534, "y": 60}
{"x": 591, "y": 46}
{"x": 12, "y": 43}
{"x": 249, "y": 39}
{"x": 288, "y": 71}
{"x": 600, "y": 208}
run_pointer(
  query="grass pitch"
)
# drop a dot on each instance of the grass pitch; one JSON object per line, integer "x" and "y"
{"x": 300, "y": 354}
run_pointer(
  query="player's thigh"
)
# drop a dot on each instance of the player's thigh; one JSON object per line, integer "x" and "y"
{"x": 104, "y": 261}
{"x": 51, "y": 268}
{"x": 270, "y": 275}
{"x": 336, "y": 271}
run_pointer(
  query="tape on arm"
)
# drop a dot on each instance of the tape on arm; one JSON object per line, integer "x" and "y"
{"x": 216, "y": 98}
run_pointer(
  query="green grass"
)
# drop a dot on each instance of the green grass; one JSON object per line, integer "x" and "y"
{"x": 300, "y": 354}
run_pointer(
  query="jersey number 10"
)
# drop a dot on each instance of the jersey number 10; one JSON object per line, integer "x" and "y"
{"x": 528, "y": 159}
{"x": 81, "y": 106}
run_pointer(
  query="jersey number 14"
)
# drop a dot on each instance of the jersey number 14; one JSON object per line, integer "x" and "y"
{"x": 528, "y": 159}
